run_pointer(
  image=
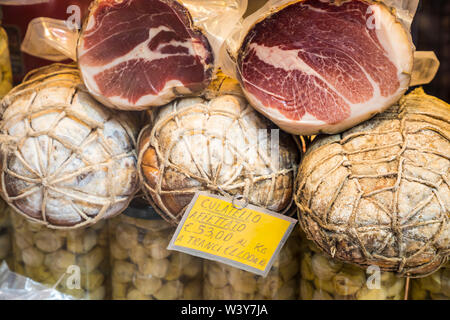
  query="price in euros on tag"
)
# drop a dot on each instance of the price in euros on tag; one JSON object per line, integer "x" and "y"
{"x": 247, "y": 239}
{"x": 208, "y": 231}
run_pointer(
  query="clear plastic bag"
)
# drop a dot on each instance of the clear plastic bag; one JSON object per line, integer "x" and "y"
{"x": 404, "y": 9}
{"x": 50, "y": 39}
{"x": 143, "y": 268}
{"x": 224, "y": 282}
{"x": 16, "y": 287}
{"x": 426, "y": 66}
{"x": 75, "y": 262}
{"x": 216, "y": 17}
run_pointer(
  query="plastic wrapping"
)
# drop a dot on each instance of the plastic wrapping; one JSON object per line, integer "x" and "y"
{"x": 224, "y": 282}
{"x": 77, "y": 261}
{"x": 16, "y": 287}
{"x": 143, "y": 268}
{"x": 323, "y": 278}
{"x": 5, "y": 233}
{"x": 434, "y": 287}
{"x": 254, "y": 5}
{"x": 213, "y": 15}
{"x": 16, "y": 19}
{"x": 405, "y": 10}
{"x": 426, "y": 66}
{"x": 50, "y": 39}
{"x": 5, "y": 65}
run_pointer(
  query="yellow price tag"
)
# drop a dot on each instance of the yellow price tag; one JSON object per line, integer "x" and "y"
{"x": 246, "y": 238}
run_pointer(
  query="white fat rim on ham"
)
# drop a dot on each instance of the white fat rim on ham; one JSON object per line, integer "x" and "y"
{"x": 397, "y": 50}
{"x": 141, "y": 52}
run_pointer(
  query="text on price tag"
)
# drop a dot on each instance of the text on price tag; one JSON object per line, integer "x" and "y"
{"x": 246, "y": 238}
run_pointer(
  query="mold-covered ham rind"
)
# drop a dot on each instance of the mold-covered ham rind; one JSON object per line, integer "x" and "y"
{"x": 379, "y": 194}
{"x": 222, "y": 146}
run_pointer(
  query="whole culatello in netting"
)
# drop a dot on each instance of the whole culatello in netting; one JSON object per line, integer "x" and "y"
{"x": 378, "y": 194}
{"x": 218, "y": 145}
{"x": 138, "y": 54}
{"x": 67, "y": 161}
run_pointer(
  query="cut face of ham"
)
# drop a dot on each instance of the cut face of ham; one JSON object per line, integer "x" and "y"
{"x": 316, "y": 66}
{"x": 134, "y": 54}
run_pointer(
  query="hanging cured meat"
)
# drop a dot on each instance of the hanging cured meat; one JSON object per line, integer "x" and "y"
{"x": 66, "y": 160}
{"x": 134, "y": 54}
{"x": 379, "y": 193}
{"x": 324, "y": 66}
{"x": 219, "y": 146}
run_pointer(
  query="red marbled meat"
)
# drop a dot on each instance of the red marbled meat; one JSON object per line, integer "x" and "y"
{"x": 316, "y": 66}
{"x": 140, "y": 53}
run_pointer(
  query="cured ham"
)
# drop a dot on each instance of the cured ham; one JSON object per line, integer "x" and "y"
{"x": 321, "y": 66}
{"x": 135, "y": 54}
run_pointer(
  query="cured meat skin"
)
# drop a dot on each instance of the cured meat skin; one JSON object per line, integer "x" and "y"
{"x": 68, "y": 162}
{"x": 218, "y": 146}
{"x": 320, "y": 66}
{"x": 379, "y": 193}
{"x": 136, "y": 54}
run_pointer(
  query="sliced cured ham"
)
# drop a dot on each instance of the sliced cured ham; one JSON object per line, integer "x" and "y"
{"x": 324, "y": 66}
{"x": 134, "y": 54}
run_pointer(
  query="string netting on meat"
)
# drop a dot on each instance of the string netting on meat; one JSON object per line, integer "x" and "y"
{"x": 410, "y": 167}
{"x": 30, "y": 171}
{"x": 245, "y": 178}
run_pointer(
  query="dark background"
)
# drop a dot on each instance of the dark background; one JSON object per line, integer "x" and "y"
{"x": 430, "y": 31}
